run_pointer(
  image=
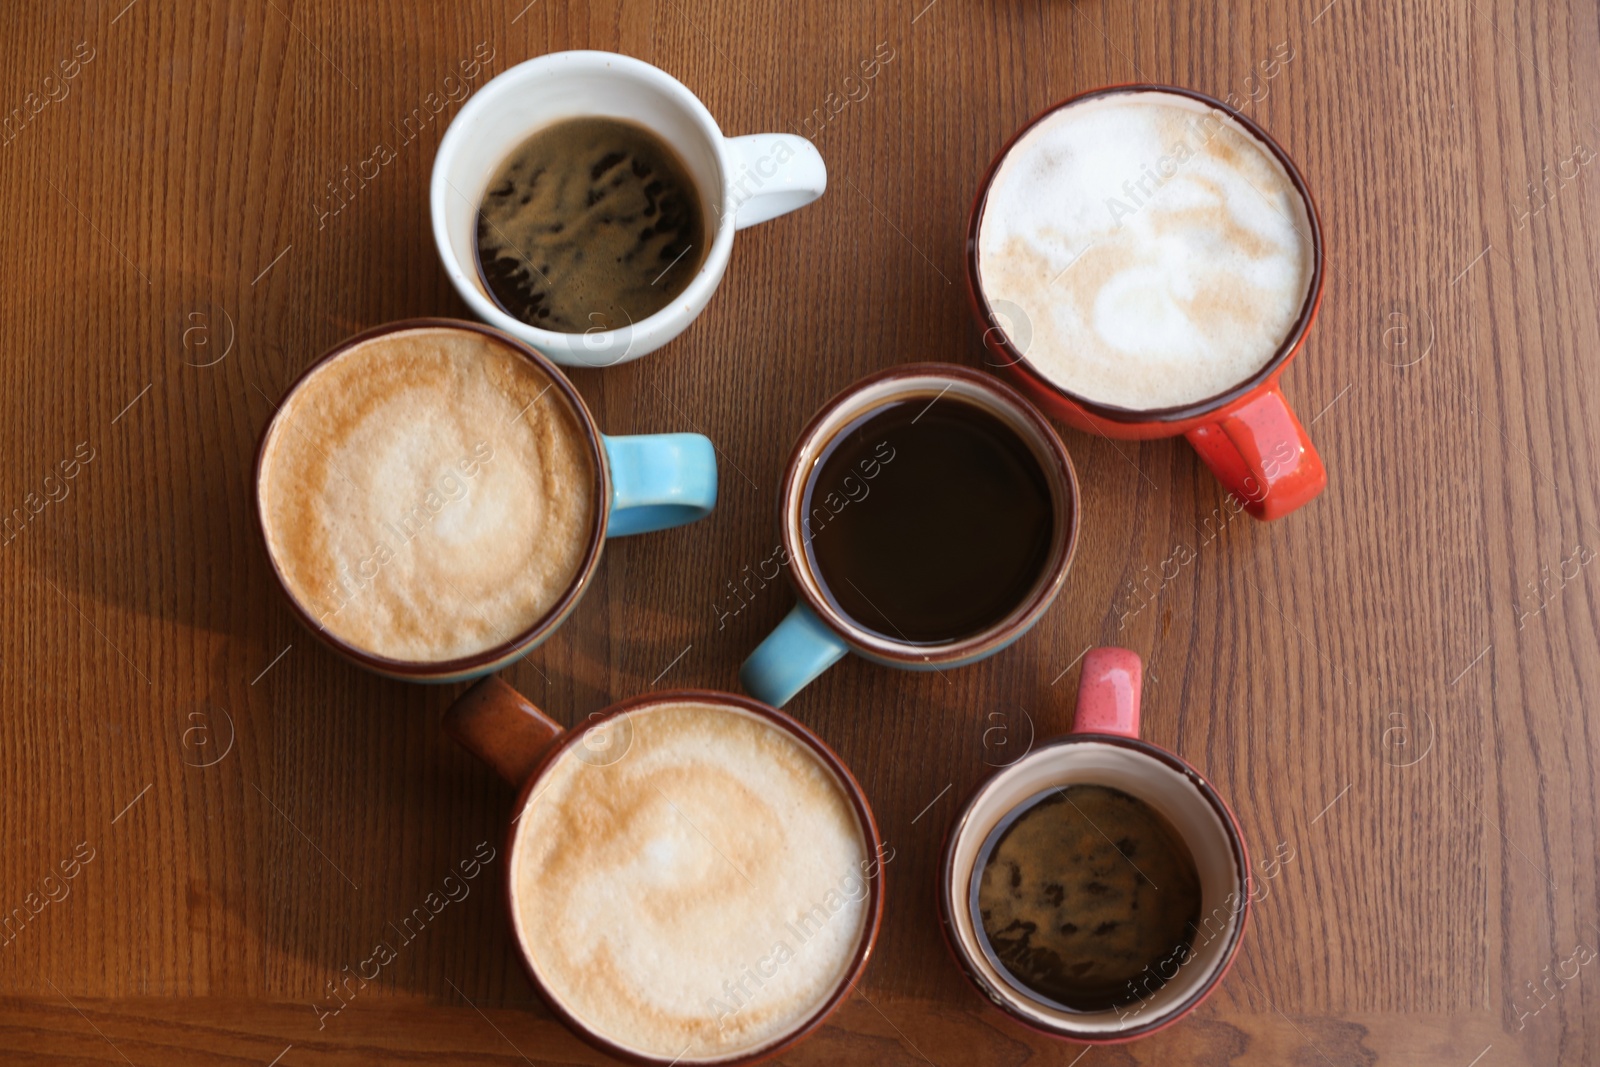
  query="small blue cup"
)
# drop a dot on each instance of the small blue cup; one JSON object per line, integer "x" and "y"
{"x": 816, "y": 635}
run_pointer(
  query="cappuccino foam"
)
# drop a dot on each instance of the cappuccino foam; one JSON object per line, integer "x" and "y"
{"x": 701, "y": 894}
{"x": 1144, "y": 251}
{"x": 428, "y": 494}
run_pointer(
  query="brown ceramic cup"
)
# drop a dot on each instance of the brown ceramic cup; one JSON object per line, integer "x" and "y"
{"x": 642, "y": 483}
{"x": 523, "y": 745}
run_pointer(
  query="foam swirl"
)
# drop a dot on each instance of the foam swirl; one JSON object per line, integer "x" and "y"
{"x": 428, "y": 494}
{"x": 701, "y": 896}
{"x": 1160, "y": 253}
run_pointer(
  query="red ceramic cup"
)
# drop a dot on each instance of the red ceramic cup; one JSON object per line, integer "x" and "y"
{"x": 1248, "y": 435}
{"x": 1104, "y": 749}
{"x": 497, "y": 724}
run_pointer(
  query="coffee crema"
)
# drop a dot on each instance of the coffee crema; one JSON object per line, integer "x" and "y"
{"x": 428, "y": 494}
{"x": 591, "y": 224}
{"x": 1089, "y": 897}
{"x": 1144, "y": 251}
{"x": 697, "y": 891}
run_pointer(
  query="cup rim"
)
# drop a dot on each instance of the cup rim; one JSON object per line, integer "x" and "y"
{"x": 1180, "y": 412}
{"x": 461, "y": 665}
{"x": 872, "y": 842}
{"x": 706, "y": 278}
{"x": 961, "y": 823}
{"x": 1020, "y": 618}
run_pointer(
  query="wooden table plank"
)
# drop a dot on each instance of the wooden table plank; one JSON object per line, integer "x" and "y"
{"x": 1393, "y": 683}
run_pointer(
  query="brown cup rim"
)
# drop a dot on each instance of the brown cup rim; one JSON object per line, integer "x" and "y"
{"x": 1236, "y": 845}
{"x": 1020, "y": 618}
{"x": 1179, "y": 412}
{"x": 858, "y": 801}
{"x": 580, "y": 582}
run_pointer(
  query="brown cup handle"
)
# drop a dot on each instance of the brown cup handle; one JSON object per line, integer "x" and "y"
{"x": 497, "y": 724}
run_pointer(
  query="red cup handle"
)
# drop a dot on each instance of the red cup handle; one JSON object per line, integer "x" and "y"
{"x": 1108, "y": 693}
{"x": 1261, "y": 453}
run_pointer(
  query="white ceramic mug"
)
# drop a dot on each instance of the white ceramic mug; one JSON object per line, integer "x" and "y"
{"x": 742, "y": 181}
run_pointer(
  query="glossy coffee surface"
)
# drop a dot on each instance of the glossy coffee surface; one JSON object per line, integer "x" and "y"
{"x": 929, "y": 519}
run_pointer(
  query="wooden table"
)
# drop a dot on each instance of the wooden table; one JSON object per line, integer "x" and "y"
{"x": 1391, "y": 683}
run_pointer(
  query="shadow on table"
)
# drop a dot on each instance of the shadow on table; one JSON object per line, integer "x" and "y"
{"x": 345, "y": 846}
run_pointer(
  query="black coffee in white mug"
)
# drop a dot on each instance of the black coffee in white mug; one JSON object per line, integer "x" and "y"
{"x": 592, "y": 223}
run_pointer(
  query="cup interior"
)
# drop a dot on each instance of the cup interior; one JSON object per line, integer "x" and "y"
{"x": 607, "y": 739}
{"x": 1006, "y": 328}
{"x": 544, "y": 91}
{"x": 933, "y": 381}
{"x": 1172, "y": 789}
{"x": 285, "y": 422}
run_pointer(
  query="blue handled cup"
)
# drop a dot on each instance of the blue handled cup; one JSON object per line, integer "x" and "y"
{"x": 640, "y": 484}
{"x": 818, "y": 633}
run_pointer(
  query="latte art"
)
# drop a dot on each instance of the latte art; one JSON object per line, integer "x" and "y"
{"x": 1159, "y": 253}
{"x": 700, "y": 896}
{"x": 428, "y": 494}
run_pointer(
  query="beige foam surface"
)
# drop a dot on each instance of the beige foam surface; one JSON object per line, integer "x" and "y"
{"x": 702, "y": 895}
{"x": 1144, "y": 251}
{"x": 428, "y": 494}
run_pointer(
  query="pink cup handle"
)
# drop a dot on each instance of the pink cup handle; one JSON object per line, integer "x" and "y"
{"x": 1108, "y": 693}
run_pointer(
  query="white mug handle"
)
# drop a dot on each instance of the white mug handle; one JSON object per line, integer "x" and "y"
{"x": 771, "y": 174}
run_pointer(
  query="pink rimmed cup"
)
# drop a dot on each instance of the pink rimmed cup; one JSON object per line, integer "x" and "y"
{"x": 1104, "y": 748}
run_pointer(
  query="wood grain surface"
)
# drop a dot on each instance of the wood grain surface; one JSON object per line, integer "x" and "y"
{"x": 1394, "y": 684}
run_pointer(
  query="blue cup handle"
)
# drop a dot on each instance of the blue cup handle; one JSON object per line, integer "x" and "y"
{"x": 659, "y": 481}
{"x": 791, "y": 658}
